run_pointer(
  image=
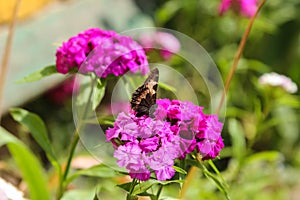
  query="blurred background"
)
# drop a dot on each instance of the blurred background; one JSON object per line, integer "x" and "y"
{"x": 261, "y": 159}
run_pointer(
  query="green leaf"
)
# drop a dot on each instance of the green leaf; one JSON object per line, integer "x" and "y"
{"x": 193, "y": 162}
{"x": 100, "y": 171}
{"x": 28, "y": 164}
{"x": 288, "y": 125}
{"x": 125, "y": 186}
{"x": 152, "y": 197}
{"x": 144, "y": 186}
{"x": 87, "y": 194}
{"x": 37, "y": 129}
{"x": 132, "y": 197}
{"x": 238, "y": 140}
{"x": 213, "y": 166}
{"x": 108, "y": 120}
{"x": 221, "y": 186}
{"x": 179, "y": 170}
{"x": 270, "y": 156}
{"x": 146, "y": 194}
{"x": 99, "y": 92}
{"x": 289, "y": 100}
{"x": 167, "y": 11}
{"x": 35, "y": 76}
{"x": 166, "y": 87}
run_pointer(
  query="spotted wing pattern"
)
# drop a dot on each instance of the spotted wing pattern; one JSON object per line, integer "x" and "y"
{"x": 145, "y": 96}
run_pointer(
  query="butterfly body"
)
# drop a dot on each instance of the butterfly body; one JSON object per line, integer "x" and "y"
{"x": 145, "y": 96}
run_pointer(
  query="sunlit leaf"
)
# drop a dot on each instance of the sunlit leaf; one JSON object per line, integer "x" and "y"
{"x": 264, "y": 156}
{"x": 179, "y": 170}
{"x": 37, "y": 129}
{"x": 167, "y": 11}
{"x": 100, "y": 171}
{"x": 166, "y": 87}
{"x": 88, "y": 194}
{"x": 288, "y": 125}
{"x": 35, "y": 76}
{"x": 125, "y": 186}
{"x": 238, "y": 139}
{"x": 144, "y": 186}
{"x": 28, "y": 164}
{"x": 289, "y": 100}
{"x": 99, "y": 92}
{"x": 219, "y": 183}
{"x": 213, "y": 166}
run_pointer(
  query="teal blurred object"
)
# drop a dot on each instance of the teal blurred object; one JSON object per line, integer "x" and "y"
{"x": 35, "y": 40}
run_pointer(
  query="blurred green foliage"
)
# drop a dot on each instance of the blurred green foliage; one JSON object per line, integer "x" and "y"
{"x": 261, "y": 159}
{"x": 261, "y": 130}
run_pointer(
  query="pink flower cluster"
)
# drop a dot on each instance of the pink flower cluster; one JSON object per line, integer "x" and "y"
{"x": 167, "y": 43}
{"x": 144, "y": 144}
{"x": 246, "y": 8}
{"x": 109, "y": 53}
{"x": 196, "y": 129}
{"x": 63, "y": 91}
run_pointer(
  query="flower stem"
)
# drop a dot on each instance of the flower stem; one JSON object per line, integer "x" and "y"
{"x": 74, "y": 143}
{"x": 71, "y": 154}
{"x": 237, "y": 57}
{"x": 159, "y": 191}
{"x": 6, "y": 54}
{"x": 191, "y": 175}
{"x": 132, "y": 185}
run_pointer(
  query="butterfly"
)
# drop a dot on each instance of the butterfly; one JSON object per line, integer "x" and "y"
{"x": 145, "y": 96}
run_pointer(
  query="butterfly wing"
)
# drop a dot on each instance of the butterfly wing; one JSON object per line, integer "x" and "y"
{"x": 145, "y": 96}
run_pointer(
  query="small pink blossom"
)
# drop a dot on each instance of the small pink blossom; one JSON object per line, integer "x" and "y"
{"x": 167, "y": 43}
{"x": 246, "y": 8}
{"x": 63, "y": 91}
{"x": 118, "y": 107}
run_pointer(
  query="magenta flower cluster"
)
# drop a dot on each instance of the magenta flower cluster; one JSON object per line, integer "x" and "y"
{"x": 197, "y": 130}
{"x": 167, "y": 43}
{"x": 144, "y": 144}
{"x": 246, "y": 8}
{"x": 103, "y": 52}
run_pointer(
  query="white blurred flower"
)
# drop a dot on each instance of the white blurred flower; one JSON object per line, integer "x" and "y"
{"x": 9, "y": 192}
{"x": 275, "y": 79}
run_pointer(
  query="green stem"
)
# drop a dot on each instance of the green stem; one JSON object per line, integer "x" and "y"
{"x": 133, "y": 183}
{"x": 62, "y": 185}
{"x": 72, "y": 151}
{"x": 159, "y": 191}
{"x": 60, "y": 178}
{"x": 182, "y": 165}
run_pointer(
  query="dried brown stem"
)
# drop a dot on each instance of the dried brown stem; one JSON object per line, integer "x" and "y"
{"x": 237, "y": 57}
{"x": 6, "y": 54}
